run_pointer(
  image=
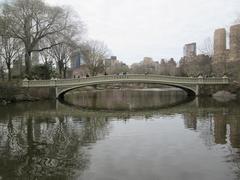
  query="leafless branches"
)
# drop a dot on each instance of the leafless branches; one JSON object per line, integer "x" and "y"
{"x": 32, "y": 21}
{"x": 207, "y": 47}
{"x": 94, "y": 53}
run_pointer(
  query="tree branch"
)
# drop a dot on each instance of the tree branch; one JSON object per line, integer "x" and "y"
{"x": 45, "y": 48}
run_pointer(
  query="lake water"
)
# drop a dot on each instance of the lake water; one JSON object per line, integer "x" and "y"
{"x": 121, "y": 135}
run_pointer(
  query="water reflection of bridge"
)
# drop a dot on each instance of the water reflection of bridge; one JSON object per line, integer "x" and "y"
{"x": 196, "y": 113}
{"x": 197, "y": 116}
{"x": 48, "y": 108}
{"x": 192, "y": 85}
{"x": 54, "y": 124}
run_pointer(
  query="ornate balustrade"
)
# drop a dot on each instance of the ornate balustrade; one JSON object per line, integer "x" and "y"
{"x": 123, "y": 78}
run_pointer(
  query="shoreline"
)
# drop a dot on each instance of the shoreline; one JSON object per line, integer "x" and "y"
{"x": 13, "y": 93}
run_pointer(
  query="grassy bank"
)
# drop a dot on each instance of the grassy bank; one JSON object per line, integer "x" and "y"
{"x": 8, "y": 91}
{"x": 11, "y": 92}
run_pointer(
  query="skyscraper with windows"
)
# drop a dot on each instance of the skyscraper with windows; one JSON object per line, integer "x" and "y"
{"x": 190, "y": 50}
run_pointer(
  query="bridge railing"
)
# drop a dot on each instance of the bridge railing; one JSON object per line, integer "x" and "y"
{"x": 129, "y": 77}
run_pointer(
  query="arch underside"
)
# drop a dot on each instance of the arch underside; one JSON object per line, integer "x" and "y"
{"x": 191, "y": 91}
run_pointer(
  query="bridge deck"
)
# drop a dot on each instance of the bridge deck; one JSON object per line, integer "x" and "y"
{"x": 126, "y": 78}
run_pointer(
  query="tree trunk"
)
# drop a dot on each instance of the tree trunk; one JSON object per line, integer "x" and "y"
{"x": 60, "y": 68}
{"x": 2, "y": 73}
{"x": 92, "y": 72}
{"x": 65, "y": 73}
{"x": 9, "y": 72}
{"x": 28, "y": 63}
{"x": 9, "y": 75}
{"x": 60, "y": 72}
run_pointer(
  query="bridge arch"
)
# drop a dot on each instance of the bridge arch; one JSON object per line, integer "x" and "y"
{"x": 191, "y": 85}
{"x": 189, "y": 90}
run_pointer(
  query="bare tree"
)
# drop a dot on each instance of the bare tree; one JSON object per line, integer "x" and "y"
{"x": 201, "y": 64}
{"x": 10, "y": 46}
{"x": 33, "y": 20}
{"x": 10, "y": 49}
{"x": 62, "y": 45}
{"x": 117, "y": 67}
{"x": 137, "y": 68}
{"x": 94, "y": 53}
{"x": 207, "y": 47}
{"x": 62, "y": 52}
{"x": 237, "y": 20}
{"x": 61, "y": 55}
{"x": 45, "y": 56}
{"x": 147, "y": 65}
{"x": 2, "y": 67}
{"x": 171, "y": 67}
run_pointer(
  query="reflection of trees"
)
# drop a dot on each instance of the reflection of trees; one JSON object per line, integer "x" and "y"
{"x": 218, "y": 128}
{"x": 94, "y": 129}
{"x": 52, "y": 147}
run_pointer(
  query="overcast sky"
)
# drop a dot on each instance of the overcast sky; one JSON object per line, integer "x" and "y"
{"x": 133, "y": 29}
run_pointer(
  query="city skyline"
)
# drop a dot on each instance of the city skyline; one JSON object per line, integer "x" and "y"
{"x": 158, "y": 29}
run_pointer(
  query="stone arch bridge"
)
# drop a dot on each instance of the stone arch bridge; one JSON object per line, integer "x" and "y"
{"x": 194, "y": 86}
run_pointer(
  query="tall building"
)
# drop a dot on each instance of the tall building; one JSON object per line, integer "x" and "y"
{"x": 77, "y": 59}
{"x": 219, "y": 45}
{"x": 221, "y": 53}
{"x": 220, "y": 41}
{"x": 78, "y": 65}
{"x": 234, "y": 43}
{"x": 109, "y": 62}
{"x": 190, "y": 50}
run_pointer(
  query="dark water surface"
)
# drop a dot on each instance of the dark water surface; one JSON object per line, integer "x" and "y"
{"x": 126, "y": 99}
{"x": 196, "y": 140}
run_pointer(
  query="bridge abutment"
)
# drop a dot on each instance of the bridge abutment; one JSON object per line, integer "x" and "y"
{"x": 41, "y": 92}
{"x": 209, "y": 90}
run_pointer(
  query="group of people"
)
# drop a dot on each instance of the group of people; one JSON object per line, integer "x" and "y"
{"x": 116, "y": 74}
{"x": 121, "y": 74}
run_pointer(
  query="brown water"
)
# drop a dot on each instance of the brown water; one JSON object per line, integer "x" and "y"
{"x": 126, "y": 99}
{"x": 197, "y": 140}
